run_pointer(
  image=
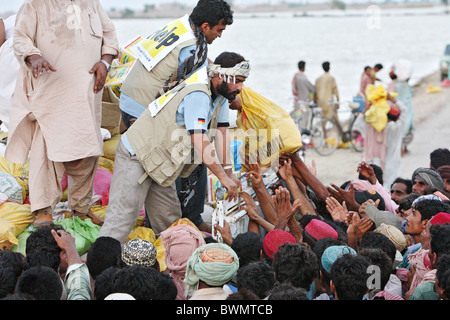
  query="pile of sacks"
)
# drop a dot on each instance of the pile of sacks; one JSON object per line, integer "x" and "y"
{"x": 16, "y": 219}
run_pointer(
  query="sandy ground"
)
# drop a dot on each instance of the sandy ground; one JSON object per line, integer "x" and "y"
{"x": 432, "y": 115}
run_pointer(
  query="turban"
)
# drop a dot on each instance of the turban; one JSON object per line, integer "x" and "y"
{"x": 274, "y": 239}
{"x": 444, "y": 171}
{"x": 241, "y": 69}
{"x": 179, "y": 243}
{"x": 319, "y": 229}
{"x": 331, "y": 254}
{"x": 430, "y": 176}
{"x": 213, "y": 263}
{"x": 139, "y": 252}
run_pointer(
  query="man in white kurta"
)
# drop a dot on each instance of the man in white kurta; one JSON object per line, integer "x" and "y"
{"x": 64, "y": 48}
{"x": 10, "y": 67}
{"x": 394, "y": 135}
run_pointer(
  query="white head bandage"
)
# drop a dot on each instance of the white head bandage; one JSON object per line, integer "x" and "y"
{"x": 241, "y": 69}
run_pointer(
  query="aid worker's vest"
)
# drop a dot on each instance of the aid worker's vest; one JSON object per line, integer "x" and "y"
{"x": 164, "y": 148}
{"x": 157, "y": 59}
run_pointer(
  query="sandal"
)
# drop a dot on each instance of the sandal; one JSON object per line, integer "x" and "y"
{"x": 89, "y": 215}
{"x": 42, "y": 219}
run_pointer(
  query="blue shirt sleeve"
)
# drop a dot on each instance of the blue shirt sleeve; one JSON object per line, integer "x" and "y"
{"x": 224, "y": 114}
{"x": 193, "y": 112}
{"x": 186, "y": 53}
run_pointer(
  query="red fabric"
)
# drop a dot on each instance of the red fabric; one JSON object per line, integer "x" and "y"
{"x": 440, "y": 218}
{"x": 319, "y": 229}
{"x": 274, "y": 239}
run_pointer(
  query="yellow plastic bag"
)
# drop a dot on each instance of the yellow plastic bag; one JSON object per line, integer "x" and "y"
{"x": 18, "y": 216}
{"x": 376, "y": 115}
{"x": 266, "y": 129}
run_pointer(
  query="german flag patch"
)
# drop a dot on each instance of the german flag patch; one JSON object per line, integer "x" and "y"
{"x": 201, "y": 121}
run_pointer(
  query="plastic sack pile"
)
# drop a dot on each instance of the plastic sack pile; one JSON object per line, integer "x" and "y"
{"x": 16, "y": 219}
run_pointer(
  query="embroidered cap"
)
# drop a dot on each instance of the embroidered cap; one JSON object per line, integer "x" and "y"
{"x": 139, "y": 252}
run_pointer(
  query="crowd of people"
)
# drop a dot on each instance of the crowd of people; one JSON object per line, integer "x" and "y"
{"x": 353, "y": 240}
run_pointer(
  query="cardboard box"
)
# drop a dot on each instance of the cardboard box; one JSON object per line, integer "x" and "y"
{"x": 111, "y": 115}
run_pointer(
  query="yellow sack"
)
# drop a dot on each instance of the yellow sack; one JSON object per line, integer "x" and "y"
{"x": 106, "y": 163}
{"x": 376, "y": 115}
{"x": 267, "y": 129}
{"x": 17, "y": 215}
{"x": 433, "y": 89}
{"x": 7, "y": 235}
{"x": 110, "y": 146}
{"x": 19, "y": 171}
{"x": 140, "y": 232}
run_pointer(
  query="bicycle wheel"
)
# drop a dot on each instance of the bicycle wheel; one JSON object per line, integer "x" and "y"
{"x": 327, "y": 136}
{"x": 356, "y": 138}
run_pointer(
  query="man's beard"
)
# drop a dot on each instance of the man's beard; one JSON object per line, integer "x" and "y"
{"x": 225, "y": 91}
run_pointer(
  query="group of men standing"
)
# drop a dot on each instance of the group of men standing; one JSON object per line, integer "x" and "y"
{"x": 324, "y": 92}
{"x": 176, "y": 112}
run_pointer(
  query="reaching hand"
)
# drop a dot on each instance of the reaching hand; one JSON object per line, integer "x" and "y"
{"x": 362, "y": 208}
{"x": 285, "y": 170}
{"x": 367, "y": 171}
{"x": 254, "y": 174}
{"x": 283, "y": 205}
{"x": 342, "y": 195}
{"x": 225, "y": 232}
{"x": 338, "y": 212}
{"x": 235, "y": 179}
{"x": 232, "y": 188}
{"x": 250, "y": 205}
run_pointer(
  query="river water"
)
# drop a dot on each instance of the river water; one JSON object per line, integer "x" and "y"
{"x": 274, "y": 43}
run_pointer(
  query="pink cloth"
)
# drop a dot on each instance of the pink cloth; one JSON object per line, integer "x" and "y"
{"x": 366, "y": 80}
{"x": 375, "y": 146}
{"x": 418, "y": 258}
{"x": 362, "y": 185}
{"x": 387, "y": 296}
{"x": 180, "y": 242}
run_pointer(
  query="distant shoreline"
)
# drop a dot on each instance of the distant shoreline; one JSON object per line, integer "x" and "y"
{"x": 272, "y": 11}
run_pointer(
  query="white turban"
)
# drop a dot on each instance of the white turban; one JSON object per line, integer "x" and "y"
{"x": 241, "y": 69}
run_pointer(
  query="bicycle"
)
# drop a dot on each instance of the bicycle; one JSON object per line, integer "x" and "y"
{"x": 325, "y": 134}
{"x": 318, "y": 132}
{"x": 352, "y": 134}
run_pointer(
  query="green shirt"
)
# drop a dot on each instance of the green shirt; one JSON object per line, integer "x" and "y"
{"x": 424, "y": 291}
{"x": 78, "y": 283}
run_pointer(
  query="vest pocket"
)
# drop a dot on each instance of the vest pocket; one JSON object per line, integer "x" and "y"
{"x": 153, "y": 159}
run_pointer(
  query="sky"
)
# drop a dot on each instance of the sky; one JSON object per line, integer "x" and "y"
{"x": 13, "y": 5}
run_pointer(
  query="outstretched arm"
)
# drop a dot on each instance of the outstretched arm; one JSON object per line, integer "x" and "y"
{"x": 307, "y": 177}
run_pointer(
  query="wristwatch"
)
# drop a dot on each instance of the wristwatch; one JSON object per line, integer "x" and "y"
{"x": 108, "y": 66}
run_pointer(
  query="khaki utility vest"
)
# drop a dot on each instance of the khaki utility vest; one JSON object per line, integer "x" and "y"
{"x": 163, "y": 148}
{"x": 143, "y": 86}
